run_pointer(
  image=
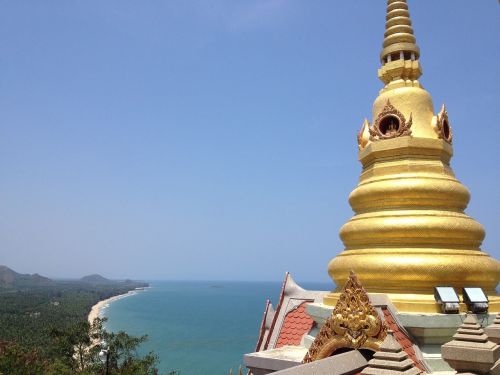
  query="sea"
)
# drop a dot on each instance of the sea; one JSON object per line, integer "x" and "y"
{"x": 197, "y": 327}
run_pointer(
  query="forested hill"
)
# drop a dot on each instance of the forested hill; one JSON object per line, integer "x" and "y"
{"x": 43, "y": 322}
{"x": 96, "y": 279}
{"x": 11, "y": 279}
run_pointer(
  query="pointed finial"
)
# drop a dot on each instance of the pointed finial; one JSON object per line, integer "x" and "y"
{"x": 470, "y": 350}
{"x": 391, "y": 359}
{"x": 399, "y": 41}
{"x": 493, "y": 330}
{"x": 400, "y": 52}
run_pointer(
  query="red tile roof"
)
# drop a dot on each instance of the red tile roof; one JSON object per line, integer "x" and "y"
{"x": 295, "y": 325}
{"x": 402, "y": 338}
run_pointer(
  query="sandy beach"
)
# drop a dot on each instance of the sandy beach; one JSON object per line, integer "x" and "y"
{"x": 96, "y": 310}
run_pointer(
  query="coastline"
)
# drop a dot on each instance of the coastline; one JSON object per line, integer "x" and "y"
{"x": 97, "y": 310}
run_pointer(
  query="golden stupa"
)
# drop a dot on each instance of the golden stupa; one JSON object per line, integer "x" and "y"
{"x": 409, "y": 232}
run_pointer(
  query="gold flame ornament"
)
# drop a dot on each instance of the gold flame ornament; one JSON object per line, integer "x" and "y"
{"x": 354, "y": 324}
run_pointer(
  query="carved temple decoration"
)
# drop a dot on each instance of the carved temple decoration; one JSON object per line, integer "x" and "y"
{"x": 441, "y": 125}
{"x": 364, "y": 135}
{"x": 390, "y": 123}
{"x": 354, "y": 324}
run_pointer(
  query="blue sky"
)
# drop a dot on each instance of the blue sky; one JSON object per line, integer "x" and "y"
{"x": 215, "y": 139}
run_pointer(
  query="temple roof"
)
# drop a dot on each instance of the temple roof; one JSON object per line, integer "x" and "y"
{"x": 293, "y": 320}
{"x": 265, "y": 326}
{"x": 295, "y": 325}
{"x": 289, "y": 322}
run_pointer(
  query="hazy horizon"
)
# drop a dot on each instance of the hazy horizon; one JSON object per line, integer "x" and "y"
{"x": 216, "y": 140}
{"x": 149, "y": 280}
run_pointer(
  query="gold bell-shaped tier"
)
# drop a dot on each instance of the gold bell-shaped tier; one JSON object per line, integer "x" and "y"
{"x": 409, "y": 232}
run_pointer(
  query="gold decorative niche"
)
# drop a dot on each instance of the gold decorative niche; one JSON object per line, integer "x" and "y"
{"x": 354, "y": 324}
{"x": 409, "y": 232}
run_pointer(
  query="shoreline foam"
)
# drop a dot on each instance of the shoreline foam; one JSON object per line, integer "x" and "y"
{"x": 97, "y": 310}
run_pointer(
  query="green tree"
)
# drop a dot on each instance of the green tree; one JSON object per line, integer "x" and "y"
{"x": 121, "y": 347}
{"x": 75, "y": 350}
{"x": 71, "y": 345}
{"x": 14, "y": 360}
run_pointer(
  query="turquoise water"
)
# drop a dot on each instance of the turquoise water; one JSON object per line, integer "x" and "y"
{"x": 197, "y": 328}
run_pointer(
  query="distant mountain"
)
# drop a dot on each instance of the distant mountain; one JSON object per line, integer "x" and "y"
{"x": 10, "y": 278}
{"x": 96, "y": 279}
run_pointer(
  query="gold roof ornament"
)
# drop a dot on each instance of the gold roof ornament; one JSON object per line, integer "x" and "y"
{"x": 398, "y": 36}
{"x": 441, "y": 125}
{"x": 410, "y": 232}
{"x": 363, "y": 135}
{"x": 354, "y": 324}
{"x": 400, "y": 53}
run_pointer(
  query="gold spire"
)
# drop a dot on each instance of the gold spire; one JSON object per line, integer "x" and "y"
{"x": 399, "y": 41}
{"x": 400, "y": 52}
{"x": 409, "y": 232}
